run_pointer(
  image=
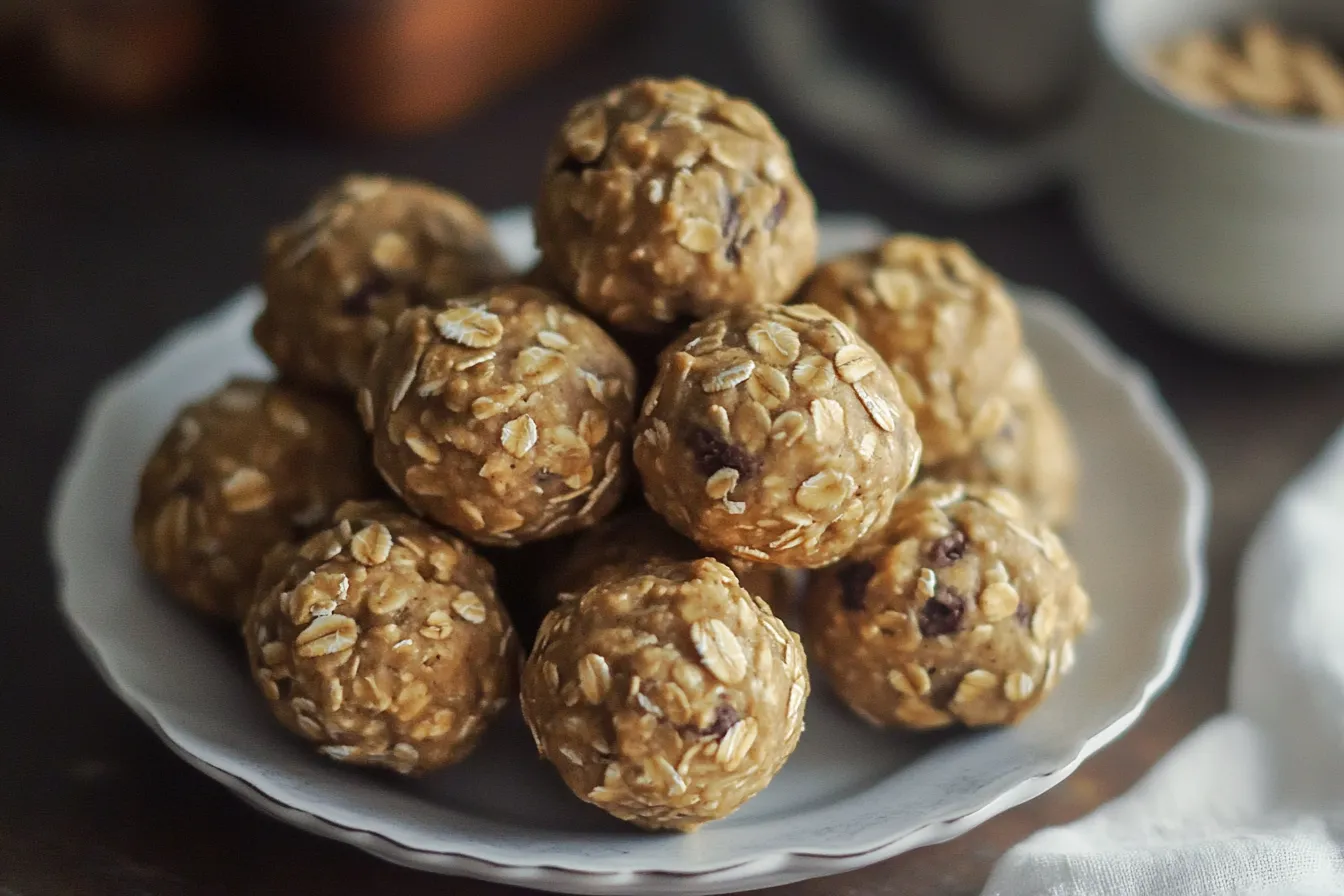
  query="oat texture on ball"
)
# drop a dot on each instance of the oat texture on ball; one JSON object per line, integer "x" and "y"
{"x": 381, "y": 641}
{"x": 663, "y": 199}
{"x": 1032, "y": 452}
{"x": 251, "y": 465}
{"x": 665, "y": 694}
{"x": 774, "y": 434}
{"x": 965, "y": 610}
{"x": 336, "y": 278}
{"x": 945, "y": 324}
{"x": 502, "y": 415}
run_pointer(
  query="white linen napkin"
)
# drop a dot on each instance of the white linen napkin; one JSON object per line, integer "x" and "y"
{"x": 1253, "y": 801}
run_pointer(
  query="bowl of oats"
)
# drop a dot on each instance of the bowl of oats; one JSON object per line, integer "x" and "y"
{"x": 1210, "y": 170}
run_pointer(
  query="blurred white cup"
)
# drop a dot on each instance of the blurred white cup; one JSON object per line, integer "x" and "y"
{"x": 1012, "y": 60}
{"x": 1228, "y": 224}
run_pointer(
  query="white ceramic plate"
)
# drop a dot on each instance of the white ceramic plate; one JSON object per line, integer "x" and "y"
{"x": 850, "y": 796}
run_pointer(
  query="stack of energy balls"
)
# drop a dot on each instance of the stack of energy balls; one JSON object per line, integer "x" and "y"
{"x": 875, "y": 419}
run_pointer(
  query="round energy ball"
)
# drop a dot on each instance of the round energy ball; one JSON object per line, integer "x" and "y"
{"x": 775, "y": 435}
{"x": 381, "y": 641}
{"x": 665, "y": 694}
{"x": 250, "y": 466}
{"x": 502, "y": 415}
{"x": 669, "y": 198}
{"x": 640, "y": 536}
{"x": 965, "y": 610}
{"x": 337, "y": 277}
{"x": 944, "y": 323}
{"x": 1031, "y": 454}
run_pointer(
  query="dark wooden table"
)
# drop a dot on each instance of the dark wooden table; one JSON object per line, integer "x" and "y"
{"x": 110, "y": 236}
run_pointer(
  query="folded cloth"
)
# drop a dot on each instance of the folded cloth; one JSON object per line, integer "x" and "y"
{"x": 1253, "y": 801}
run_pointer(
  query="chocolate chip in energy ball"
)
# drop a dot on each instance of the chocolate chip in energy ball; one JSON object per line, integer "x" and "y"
{"x": 776, "y": 213}
{"x": 942, "y": 613}
{"x": 725, "y": 717}
{"x": 712, "y": 454}
{"x": 576, "y": 167}
{"x": 732, "y": 230}
{"x": 1022, "y": 614}
{"x": 948, "y": 549}
{"x": 360, "y": 302}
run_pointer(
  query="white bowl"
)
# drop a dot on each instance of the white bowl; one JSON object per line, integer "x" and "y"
{"x": 1224, "y": 223}
{"x": 850, "y": 796}
{"x": 1014, "y": 60}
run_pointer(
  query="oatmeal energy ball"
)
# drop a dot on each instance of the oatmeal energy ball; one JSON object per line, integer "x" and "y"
{"x": 666, "y": 694}
{"x": 669, "y": 198}
{"x": 943, "y": 322}
{"x": 964, "y": 611}
{"x": 381, "y": 641}
{"x": 368, "y": 247}
{"x": 502, "y": 415}
{"x": 252, "y": 465}
{"x": 1032, "y": 452}
{"x": 773, "y": 434}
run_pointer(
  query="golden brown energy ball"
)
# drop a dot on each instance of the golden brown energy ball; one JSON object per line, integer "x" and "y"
{"x": 368, "y": 248}
{"x": 945, "y": 324}
{"x": 382, "y": 641}
{"x": 966, "y": 610}
{"x": 503, "y": 415}
{"x": 775, "y": 435}
{"x": 1031, "y": 454}
{"x": 670, "y": 198}
{"x": 666, "y": 694}
{"x": 638, "y": 536}
{"x": 250, "y": 466}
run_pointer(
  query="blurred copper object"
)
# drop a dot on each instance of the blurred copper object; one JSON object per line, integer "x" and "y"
{"x": 400, "y": 66}
{"x": 123, "y": 55}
